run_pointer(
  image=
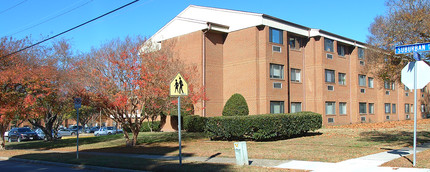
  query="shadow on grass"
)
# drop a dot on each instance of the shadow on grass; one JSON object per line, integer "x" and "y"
{"x": 140, "y": 149}
{"x": 398, "y": 138}
{"x": 125, "y": 162}
{"x": 144, "y": 137}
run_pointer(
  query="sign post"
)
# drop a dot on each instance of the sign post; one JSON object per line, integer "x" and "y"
{"x": 178, "y": 88}
{"x": 424, "y": 78}
{"x": 77, "y": 102}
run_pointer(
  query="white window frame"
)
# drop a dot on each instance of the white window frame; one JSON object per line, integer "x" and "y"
{"x": 272, "y": 71}
{"x": 295, "y": 73}
{"x": 341, "y": 78}
{"x": 342, "y": 108}
{"x": 296, "y": 107}
{"x": 332, "y": 106}
{"x": 370, "y": 82}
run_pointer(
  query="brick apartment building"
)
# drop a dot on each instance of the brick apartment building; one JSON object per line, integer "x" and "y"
{"x": 282, "y": 67}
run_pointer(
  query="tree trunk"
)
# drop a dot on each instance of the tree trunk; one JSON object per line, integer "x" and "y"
{"x": 133, "y": 141}
{"x": 3, "y": 142}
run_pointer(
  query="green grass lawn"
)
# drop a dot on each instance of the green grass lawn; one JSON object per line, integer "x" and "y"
{"x": 329, "y": 144}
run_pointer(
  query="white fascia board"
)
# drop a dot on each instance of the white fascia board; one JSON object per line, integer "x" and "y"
{"x": 286, "y": 27}
{"x": 177, "y": 27}
{"x": 316, "y": 32}
{"x": 235, "y": 20}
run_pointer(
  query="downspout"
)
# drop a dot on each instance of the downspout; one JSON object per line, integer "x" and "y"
{"x": 204, "y": 65}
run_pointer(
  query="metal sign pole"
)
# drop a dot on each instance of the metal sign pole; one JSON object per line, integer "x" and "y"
{"x": 179, "y": 129}
{"x": 77, "y": 133}
{"x": 415, "y": 113}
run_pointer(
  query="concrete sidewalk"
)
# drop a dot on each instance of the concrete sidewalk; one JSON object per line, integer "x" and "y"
{"x": 367, "y": 163}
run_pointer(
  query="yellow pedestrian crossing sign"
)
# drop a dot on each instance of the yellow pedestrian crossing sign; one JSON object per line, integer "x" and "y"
{"x": 178, "y": 86}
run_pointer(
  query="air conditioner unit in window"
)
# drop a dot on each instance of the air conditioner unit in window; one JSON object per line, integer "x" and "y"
{"x": 330, "y": 88}
{"x": 361, "y": 63}
{"x": 277, "y": 85}
{"x": 387, "y": 92}
{"x": 362, "y": 90}
{"x": 276, "y": 48}
{"x": 330, "y": 56}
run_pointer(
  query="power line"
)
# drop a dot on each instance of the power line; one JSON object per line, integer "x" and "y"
{"x": 12, "y": 7}
{"x": 73, "y": 28}
{"x": 50, "y": 18}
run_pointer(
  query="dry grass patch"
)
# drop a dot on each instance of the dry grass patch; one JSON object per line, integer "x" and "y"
{"x": 422, "y": 161}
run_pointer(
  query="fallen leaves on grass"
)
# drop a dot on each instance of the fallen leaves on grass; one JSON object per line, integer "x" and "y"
{"x": 379, "y": 125}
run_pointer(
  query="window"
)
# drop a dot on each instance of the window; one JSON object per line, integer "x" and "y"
{"x": 406, "y": 94}
{"x": 371, "y": 108}
{"x": 329, "y": 56}
{"x": 341, "y": 50}
{"x": 407, "y": 110}
{"x": 412, "y": 108}
{"x": 342, "y": 108}
{"x": 362, "y": 108}
{"x": 295, "y": 75}
{"x": 406, "y": 88}
{"x": 276, "y": 71}
{"x": 362, "y": 80}
{"x": 393, "y": 106}
{"x": 328, "y": 44}
{"x": 276, "y": 48}
{"x": 370, "y": 82}
{"x": 387, "y": 108}
{"x": 360, "y": 53}
{"x": 329, "y": 76}
{"x": 362, "y": 63}
{"x": 423, "y": 108}
{"x": 387, "y": 92}
{"x": 330, "y": 108}
{"x": 276, "y": 36}
{"x": 330, "y": 120}
{"x": 342, "y": 79}
{"x": 330, "y": 88}
{"x": 295, "y": 43}
{"x": 386, "y": 84}
{"x": 363, "y": 119}
{"x": 408, "y": 117}
{"x": 296, "y": 107}
{"x": 276, "y": 107}
{"x": 387, "y": 117}
{"x": 277, "y": 85}
{"x": 393, "y": 85}
{"x": 362, "y": 90}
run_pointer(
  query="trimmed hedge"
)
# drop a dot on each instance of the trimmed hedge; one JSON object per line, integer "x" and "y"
{"x": 145, "y": 128}
{"x": 235, "y": 106}
{"x": 155, "y": 126}
{"x": 262, "y": 127}
{"x": 194, "y": 123}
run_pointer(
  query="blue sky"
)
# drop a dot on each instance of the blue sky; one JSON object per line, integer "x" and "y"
{"x": 42, "y": 18}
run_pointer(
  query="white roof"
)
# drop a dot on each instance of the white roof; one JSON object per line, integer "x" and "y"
{"x": 195, "y": 18}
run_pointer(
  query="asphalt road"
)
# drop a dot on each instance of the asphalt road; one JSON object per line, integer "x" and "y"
{"x": 15, "y": 166}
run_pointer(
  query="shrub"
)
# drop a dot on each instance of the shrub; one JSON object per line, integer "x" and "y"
{"x": 262, "y": 127}
{"x": 194, "y": 123}
{"x": 155, "y": 126}
{"x": 235, "y": 106}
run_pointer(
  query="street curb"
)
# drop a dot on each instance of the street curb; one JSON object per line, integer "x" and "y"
{"x": 75, "y": 166}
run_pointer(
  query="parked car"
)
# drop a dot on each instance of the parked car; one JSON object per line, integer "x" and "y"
{"x": 41, "y": 134}
{"x": 75, "y": 128}
{"x": 94, "y": 129}
{"x": 66, "y": 132}
{"x": 105, "y": 131}
{"x": 21, "y": 134}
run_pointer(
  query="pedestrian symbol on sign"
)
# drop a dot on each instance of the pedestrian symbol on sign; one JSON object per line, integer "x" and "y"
{"x": 178, "y": 86}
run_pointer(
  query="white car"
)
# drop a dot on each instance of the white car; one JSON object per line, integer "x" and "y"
{"x": 105, "y": 131}
{"x": 66, "y": 132}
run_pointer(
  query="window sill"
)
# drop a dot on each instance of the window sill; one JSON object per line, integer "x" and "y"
{"x": 277, "y": 79}
{"x": 294, "y": 49}
{"x": 296, "y": 82}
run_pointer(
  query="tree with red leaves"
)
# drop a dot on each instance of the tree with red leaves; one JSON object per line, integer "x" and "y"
{"x": 13, "y": 81}
{"x": 131, "y": 85}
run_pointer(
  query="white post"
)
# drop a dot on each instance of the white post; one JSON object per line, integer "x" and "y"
{"x": 415, "y": 112}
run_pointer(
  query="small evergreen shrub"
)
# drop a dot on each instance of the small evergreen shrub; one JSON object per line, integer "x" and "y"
{"x": 262, "y": 127}
{"x": 194, "y": 123}
{"x": 235, "y": 106}
{"x": 155, "y": 126}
